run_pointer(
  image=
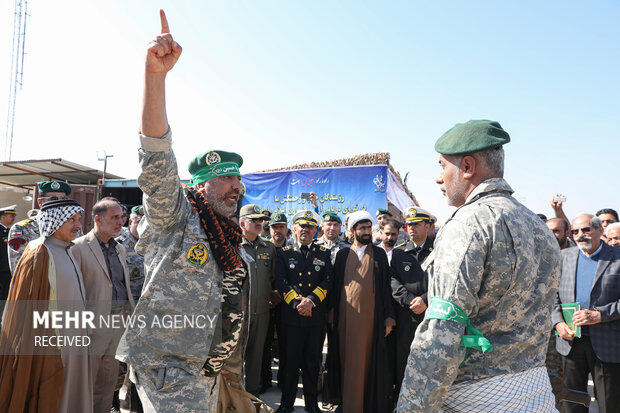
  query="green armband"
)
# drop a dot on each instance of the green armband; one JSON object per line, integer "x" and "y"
{"x": 442, "y": 309}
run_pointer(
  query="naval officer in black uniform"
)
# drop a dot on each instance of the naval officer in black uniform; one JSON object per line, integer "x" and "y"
{"x": 304, "y": 277}
{"x": 417, "y": 223}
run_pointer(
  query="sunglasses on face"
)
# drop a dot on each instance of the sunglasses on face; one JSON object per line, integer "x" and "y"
{"x": 256, "y": 220}
{"x": 585, "y": 230}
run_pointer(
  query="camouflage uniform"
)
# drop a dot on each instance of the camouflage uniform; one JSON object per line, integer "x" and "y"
{"x": 135, "y": 263}
{"x": 20, "y": 234}
{"x": 499, "y": 262}
{"x": 333, "y": 246}
{"x": 182, "y": 279}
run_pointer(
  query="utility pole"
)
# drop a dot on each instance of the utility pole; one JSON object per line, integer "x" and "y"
{"x": 17, "y": 70}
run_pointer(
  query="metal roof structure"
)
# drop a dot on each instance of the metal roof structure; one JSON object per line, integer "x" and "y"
{"x": 25, "y": 174}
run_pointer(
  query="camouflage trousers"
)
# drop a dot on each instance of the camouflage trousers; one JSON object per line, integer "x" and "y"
{"x": 172, "y": 389}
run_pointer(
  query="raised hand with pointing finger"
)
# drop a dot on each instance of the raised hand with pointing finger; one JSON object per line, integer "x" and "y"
{"x": 164, "y": 51}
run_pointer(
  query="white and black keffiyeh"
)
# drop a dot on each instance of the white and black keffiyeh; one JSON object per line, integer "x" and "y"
{"x": 55, "y": 213}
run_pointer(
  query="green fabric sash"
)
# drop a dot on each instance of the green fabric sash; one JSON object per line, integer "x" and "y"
{"x": 443, "y": 309}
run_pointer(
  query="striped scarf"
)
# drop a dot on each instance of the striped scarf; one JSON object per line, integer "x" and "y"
{"x": 223, "y": 234}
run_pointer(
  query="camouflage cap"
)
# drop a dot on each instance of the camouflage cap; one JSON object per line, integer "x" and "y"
{"x": 278, "y": 218}
{"x": 54, "y": 186}
{"x": 138, "y": 209}
{"x": 473, "y": 136}
{"x": 417, "y": 214}
{"x": 381, "y": 211}
{"x": 331, "y": 217}
{"x": 214, "y": 163}
{"x": 251, "y": 211}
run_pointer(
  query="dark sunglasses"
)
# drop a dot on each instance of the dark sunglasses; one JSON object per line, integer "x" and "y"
{"x": 256, "y": 219}
{"x": 584, "y": 230}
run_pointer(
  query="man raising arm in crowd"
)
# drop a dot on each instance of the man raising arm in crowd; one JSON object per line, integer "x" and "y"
{"x": 191, "y": 255}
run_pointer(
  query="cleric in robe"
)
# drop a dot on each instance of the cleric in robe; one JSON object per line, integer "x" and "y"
{"x": 47, "y": 277}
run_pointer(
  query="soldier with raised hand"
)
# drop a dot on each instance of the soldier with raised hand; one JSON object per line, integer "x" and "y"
{"x": 192, "y": 258}
{"x": 493, "y": 278}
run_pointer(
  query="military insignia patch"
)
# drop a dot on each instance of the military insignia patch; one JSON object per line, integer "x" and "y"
{"x": 308, "y": 215}
{"x": 212, "y": 157}
{"x": 256, "y": 209}
{"x": 407, "y": 268}
{"x": 318, "y": 262}
{"x": 55, "y": 186}
{"x": 131, "y": 243}
{"x": 135, "y": 272}
{"x": 317, "y": 268}
{"x": 197, "y": 255}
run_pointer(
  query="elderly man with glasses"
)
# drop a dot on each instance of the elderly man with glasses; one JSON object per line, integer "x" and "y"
{"x": 590, "y": 277}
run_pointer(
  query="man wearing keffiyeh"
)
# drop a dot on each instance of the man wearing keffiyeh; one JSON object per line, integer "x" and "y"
{"x": 47, "y": 277}
{"x": 192, "y": 260}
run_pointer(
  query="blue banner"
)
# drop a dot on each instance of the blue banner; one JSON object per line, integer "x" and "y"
{"x": 341, "y": 190}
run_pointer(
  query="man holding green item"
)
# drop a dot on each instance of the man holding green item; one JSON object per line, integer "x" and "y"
{"x": 493, "y": 278}
{"x": 194, "y": 270}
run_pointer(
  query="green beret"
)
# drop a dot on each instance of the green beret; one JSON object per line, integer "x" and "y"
{"x": 278, "y": 218}
{"x": 214, "y": 163}
{"x": 138, "y": 209}
{"x": 473, "y": 136}
{"x": 381, "y": 211}
{"x": 331, "y": 217}
{"x": 54, "y": 186}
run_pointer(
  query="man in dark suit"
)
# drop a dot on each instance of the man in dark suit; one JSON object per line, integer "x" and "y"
{"x": 591, "y": 277}
{"x": 303, "y": 276}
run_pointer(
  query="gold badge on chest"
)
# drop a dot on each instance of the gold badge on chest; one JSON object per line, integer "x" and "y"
{"x": 197, "y": 255}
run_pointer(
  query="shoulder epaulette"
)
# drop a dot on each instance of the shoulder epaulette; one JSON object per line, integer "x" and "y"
{"x": 286, "y": 248}
{"x": 24, "y": 222}
{"x": 401, "y": 244}
{"x": 322, "y": 248}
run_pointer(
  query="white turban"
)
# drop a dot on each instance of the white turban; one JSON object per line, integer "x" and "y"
{"x": 358, "y": 216}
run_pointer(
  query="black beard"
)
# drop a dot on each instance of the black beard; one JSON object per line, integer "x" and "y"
{"x": 364, "y": 239}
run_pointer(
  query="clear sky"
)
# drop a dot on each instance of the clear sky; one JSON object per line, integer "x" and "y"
{"x": 285, "y": 82}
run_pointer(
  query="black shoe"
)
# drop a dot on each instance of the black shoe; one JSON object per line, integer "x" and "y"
{"x": 314, "y": 409}
{"x": 284, "y": 409}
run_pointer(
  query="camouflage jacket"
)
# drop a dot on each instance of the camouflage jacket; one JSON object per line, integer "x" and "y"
{"x": 500, "y": 263}
{"x": 332, "y": 246}
{"x": 182, "y": 279}
{"x": 20, "y": 234}
{"x": 135, "y": 263}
